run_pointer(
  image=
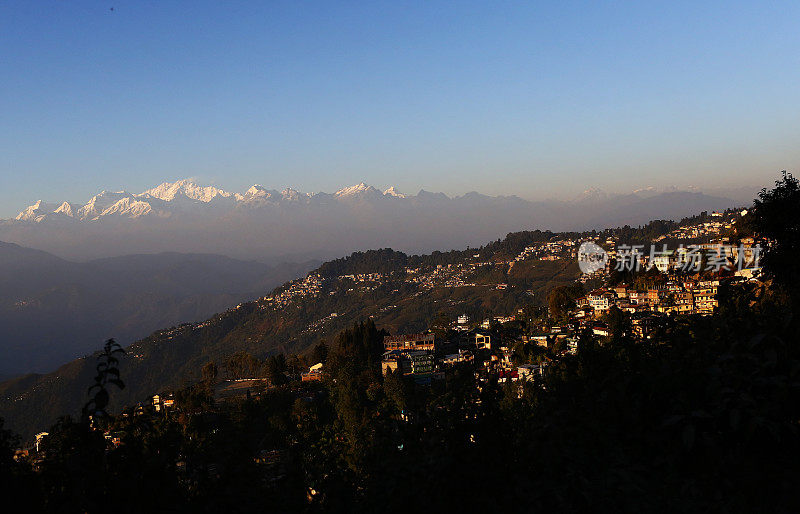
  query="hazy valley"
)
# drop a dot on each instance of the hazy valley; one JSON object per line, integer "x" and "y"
{"x": 53, "y": 310}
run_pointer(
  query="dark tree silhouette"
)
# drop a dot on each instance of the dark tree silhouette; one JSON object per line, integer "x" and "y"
{"x": 777, "y": 218}
{"x": 107, "y": 374}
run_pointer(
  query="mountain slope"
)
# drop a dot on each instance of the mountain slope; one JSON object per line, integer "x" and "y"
{"x": 53, "y": 310}
{"x": 400, "y": 292}
{"x": 296, "y": 315}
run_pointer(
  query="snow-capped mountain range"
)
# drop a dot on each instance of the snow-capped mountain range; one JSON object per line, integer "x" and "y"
{"x": 167, "y": 198}
{"x": 271, "y": 226}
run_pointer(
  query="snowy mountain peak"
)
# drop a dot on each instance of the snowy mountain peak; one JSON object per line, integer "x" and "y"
{"x": 259, "y": 192}
{"x": 35, "y": 211}
{"x": 99, "y": 203}
{"x": 128, "y": 206}
{"x": 256, "y": 190}
{"x": 393, "y": 192}
{"x": 67, "y": 209}
{"x": 168, "y": 191}
{"x": 293, "y": 195}
{"x": 358, "y": 189}
{"x": 591, "y": 194}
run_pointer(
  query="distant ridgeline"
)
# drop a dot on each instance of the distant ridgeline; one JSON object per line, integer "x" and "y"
{"x": 400, "y": 293}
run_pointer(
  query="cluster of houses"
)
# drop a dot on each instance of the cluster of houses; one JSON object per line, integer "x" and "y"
{"x": 682, "y": 297}
{"x": 547, "y": 251}
{"x": 445, "y": 275}
{"x": 311, "y": 285}
{"x": 422, "y": 358}
{"x": 718, "y": 255}
{"x": 720, "y": 222}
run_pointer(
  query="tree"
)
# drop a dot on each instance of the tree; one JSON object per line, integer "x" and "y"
{"x": 276, "y": 368}
{"x": 560, "y": 300}
{"x": 776, "y": 216}
{"x": 209, "y": 373}
{"x": 619, "y": 322}
{"x": 319, "y": 353}
{"x": 440, "y": 325}
{"x": 107, "y": 374}
{"x": 8, "y": 442}
{"x": 396, "y": 389}
{"x": 243, "y": 365}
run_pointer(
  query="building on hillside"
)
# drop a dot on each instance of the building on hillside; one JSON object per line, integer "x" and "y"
{"x": 314, "y": 373}
{"x": 113, "y": 439}
{"x": 705, "y": 296}
{"x": 572, "y": 345}
{"x": 663, "y": 262}
{"x": 637, "y": 297}
{"x": 687, "y": 258}
{"x": 162, "y": 402}
{"x": 541, "y": 340}
{"x": 529, "y": 371}
{"x": 455, "y": 358}
{"x": 643, "y": 324}
{"x": 38, "y": 441}
{"x": 416, "y": 362}
{"x": 483, "y": 341}
{"x": 673, "y": 287}
{"x": 409, "y": 342}
{"x": 655, "y": 295}
{"x": 682, "y": 303}
{"x": 421, "y": 362}
{"x": 505, "y": 319}
{"x": 601, "y": 300}
{"x": 748, "y": 273}
{"x": 392, "y": 361}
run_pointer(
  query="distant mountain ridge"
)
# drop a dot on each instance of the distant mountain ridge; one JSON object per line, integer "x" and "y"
{"x": 272, "y": 226}
{"x": 170, "y": 198}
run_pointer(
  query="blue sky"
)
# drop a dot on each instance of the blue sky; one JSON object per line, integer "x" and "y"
{"x": 538, "y": 99}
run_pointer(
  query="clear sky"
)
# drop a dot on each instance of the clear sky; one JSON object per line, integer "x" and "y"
{"x": 537, "y": 99}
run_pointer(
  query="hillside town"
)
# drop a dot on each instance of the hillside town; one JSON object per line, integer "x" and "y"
{"x": 684, "y": 294}
{"x": 517, "y": 346}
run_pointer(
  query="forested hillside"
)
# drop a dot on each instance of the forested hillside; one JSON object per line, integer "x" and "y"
{"x": 291, "y": 321}
{"x": 399, "y": 292}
